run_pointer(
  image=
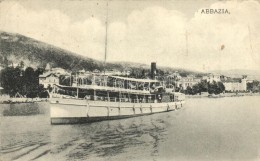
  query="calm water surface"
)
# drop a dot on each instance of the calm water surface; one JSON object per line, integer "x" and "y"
{"x": 205, "y": 129}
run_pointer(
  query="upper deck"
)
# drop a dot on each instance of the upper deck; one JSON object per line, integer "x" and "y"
{"x": 116, "y": 83}
{"x": 105, "y": 87}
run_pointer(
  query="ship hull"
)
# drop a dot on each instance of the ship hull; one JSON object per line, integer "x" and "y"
{"x": 73, "y": 111}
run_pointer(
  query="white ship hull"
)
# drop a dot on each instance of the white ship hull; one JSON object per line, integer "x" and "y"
{"x": 72, "y": 111}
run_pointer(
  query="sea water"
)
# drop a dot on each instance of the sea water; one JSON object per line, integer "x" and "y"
{"x": 204, "y": 129}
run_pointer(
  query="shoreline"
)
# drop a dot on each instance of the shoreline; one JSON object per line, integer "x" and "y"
{"x": 223, "y": 95}
{"x": 9, "y": 100}
{"x": 24, "y": 109}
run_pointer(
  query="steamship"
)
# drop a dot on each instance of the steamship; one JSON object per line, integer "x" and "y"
{"x": 98, "y": 97}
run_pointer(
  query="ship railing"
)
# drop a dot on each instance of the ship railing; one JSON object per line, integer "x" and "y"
{"x": 116, "y": 99}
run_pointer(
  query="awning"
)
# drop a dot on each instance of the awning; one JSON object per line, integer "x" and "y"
{"x": 105, "y": 88}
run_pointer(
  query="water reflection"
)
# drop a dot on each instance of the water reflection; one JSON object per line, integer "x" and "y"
{"x": 108, "y": 138}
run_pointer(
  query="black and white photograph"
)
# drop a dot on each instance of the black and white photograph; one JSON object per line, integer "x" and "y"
{"x": 132, "y": 80}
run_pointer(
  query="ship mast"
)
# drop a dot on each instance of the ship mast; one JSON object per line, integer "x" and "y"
{"x": 249, "y": 31}
{"x": 104, "y": 64}
{"x": 186, "y": 38}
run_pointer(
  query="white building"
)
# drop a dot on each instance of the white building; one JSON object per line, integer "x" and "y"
{"x": 115, "y": 72}
{"x": 190, "y": 80}
{"x": 48, "y": 79}
{"x": 212, "y": 77}
{"x": 236, "y": 85}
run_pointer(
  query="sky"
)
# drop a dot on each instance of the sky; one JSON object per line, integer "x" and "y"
{"x": 173, "y": 33}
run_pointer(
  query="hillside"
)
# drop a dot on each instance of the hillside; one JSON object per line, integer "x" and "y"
{"x": 17, "y": 48}
{"x": 34, "y": 53}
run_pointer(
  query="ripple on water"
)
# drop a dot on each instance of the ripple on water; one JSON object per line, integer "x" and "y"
{"x": 205, "y": 129}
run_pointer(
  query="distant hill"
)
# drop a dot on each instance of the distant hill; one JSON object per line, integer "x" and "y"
{"x": 17, "y": 48}
{"x": 237, "y": 73}
{"x": 34, "y": 53}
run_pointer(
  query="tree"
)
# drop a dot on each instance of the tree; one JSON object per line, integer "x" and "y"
{"x": 253, "y": 86}
{"x": 6, "y": 62}
{"x": 212, "y": 87}
{"x": 203, "y": 86}
{"x": 221, "y": 87}
{"x": 196, "y": 89}
{"x": 12, "y": 80}
{"x": 189, "y": 90}
{"x": 42, "y": 93}
{"x": 49, "y": 88}
{"x": 39, "y": 71}
{"x": 22, "y": 64}
{"x": 31, "y": 79}
{"x": 216, "y": 87}
{"x": 16, "y": 80}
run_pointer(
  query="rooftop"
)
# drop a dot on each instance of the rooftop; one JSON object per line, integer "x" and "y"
{"x": 44, "y": 75}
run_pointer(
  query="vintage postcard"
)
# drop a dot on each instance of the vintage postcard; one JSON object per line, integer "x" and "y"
{"x": 133, "y": 80}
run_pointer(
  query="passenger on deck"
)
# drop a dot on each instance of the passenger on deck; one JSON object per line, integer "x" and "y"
{"x": 159, "y": 98}
{"x": 172, "y": 98}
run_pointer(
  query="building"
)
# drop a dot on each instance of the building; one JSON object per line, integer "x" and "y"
{"x": 126, "y": 72}
{"x": 82, "y": 78}
{"x": 190, "y": 80}
{"x": 171, "y": 79}
{"x": 51, "y": 76}
{"x": 48, "y": 79}
{"x": 234, "y": 84}
{"x": 116, "y": 72}
{"x": 59, "y": 71}
{"x": 212, "y": 77}
{"x": 96, "y": 71}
